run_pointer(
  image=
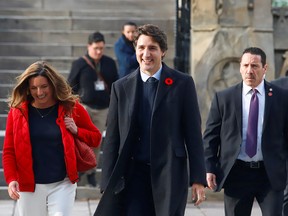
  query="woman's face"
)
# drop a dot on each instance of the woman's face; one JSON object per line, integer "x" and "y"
{"x": 42, "y": 92}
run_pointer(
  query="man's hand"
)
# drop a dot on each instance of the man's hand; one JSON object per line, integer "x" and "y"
{"x": 211, "y": 181}
{"x": 198, "y": 193}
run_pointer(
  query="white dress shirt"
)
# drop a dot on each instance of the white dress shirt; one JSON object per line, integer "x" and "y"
{"x": 246, "y": 98}
{"x": 157, "y": 75}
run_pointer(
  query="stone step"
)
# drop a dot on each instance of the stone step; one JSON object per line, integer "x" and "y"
{"x": 113, "y": 5}
{"x": 60, "y": 63}
{"x": 2, "y": 134}
{"x": 3, "y": 119}
{"x": 22, "y": 62}
{"x": 79, "y": 23}
{"x": 53, "y": 36}
{"x": 1, "y": 165}
{"x": 21, "y": 4}
{"x": 53, "y": 49}
{"x": 97, "y": 12}
{"x": 30, "y": 12}
{"x": 2, "y": 180}
{"x": 3, "y": 108}
{"x": 5, "y": 90}
{"x": 9, "y": 76}
{"x": 45, "y": 49}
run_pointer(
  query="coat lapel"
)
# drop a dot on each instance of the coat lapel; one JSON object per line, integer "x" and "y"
{"x": 268, "y": 102}
{"x": 237, "y": 95}
{"x": 163, "y": 88}
{"x": 131, "y": 89}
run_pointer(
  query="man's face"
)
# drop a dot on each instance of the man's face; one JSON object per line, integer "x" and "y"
{"x": 252, "y": 70}
{"x": 129, "y": 32}
{"x": 149, "y": 55}
{"x": 96, "y": 50}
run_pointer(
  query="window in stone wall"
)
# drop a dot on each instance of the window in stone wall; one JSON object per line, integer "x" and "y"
{"x": 280, "y": 3}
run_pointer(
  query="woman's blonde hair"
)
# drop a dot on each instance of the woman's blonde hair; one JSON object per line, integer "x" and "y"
{"x": 62, "y": 90}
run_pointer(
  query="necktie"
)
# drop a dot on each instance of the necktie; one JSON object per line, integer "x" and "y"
{"x": 152, "y": 84}
{"x": 251, "y": 140}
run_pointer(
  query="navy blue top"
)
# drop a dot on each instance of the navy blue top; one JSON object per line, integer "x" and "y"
{"x": 126, "y": 57}
{"x": 47, "y": 145}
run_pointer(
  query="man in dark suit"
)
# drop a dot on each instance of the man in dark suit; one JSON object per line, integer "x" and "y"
{"x": 229, "y": 139}
{"x": 149, "y": 141}
{"x": 283, "y": 83}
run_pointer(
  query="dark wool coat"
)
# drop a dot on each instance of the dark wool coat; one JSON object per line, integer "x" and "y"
{"x": 177, "y": 159}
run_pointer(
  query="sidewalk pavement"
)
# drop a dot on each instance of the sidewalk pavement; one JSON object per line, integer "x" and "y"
{"x": 87, "y": 208}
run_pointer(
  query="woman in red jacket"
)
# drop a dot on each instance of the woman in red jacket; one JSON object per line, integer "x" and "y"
{"x": 38, "y": 155}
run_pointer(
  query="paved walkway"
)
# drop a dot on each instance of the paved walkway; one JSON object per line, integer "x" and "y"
{"x": 86, "y": 208}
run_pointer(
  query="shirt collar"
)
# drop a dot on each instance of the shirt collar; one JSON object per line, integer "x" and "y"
{"x": 157, "y": 75}
{"x": 260, "y": 88}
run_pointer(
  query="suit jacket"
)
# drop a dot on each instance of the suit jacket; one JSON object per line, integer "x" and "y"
{"x": 281, "y": 82}
{"x": 175, "y": 136}
{"x": 223, "y": 134}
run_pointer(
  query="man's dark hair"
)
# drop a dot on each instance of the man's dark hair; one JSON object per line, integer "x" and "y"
{"x": 256, "y": 51}
{"x": 155, "y": 32}
{"x": 96, "y": 37}
{"x": 129, "y": 23}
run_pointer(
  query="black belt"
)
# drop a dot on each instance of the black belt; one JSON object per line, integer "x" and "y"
{"x": 252, "y": 164}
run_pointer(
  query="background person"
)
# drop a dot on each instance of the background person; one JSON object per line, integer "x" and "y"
{"x": 124, "y": 50}
{"x": 153, "y": 127}
{"x": 38, "y": 154}
{"x": 282, "y": 82}
{"x": 230, "y": 163}
{"x": 91, "y": 77}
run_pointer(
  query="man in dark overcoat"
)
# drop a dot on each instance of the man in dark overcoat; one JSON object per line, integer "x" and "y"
{"x": 153, "y": 146}
{"x": 282, "y": 82}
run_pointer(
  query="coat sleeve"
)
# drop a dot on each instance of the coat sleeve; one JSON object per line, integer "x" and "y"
{"x": 87, "y": 131}
{"x": 193, "y": 135}
{"x": 211, "y": 136}
{"x": 9, "y": 157}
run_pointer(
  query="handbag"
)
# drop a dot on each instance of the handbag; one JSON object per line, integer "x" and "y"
{"x": 85, "y": 156}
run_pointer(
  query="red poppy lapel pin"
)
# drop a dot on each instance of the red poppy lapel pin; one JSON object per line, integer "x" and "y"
{"x": 270, "y": 92}
{"x": 169, "y": 81}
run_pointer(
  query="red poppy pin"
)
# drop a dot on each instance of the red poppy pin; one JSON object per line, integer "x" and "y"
{"x": 168, "y": 81}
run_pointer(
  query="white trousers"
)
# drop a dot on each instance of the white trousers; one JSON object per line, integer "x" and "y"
{"x": 55, "y": 199}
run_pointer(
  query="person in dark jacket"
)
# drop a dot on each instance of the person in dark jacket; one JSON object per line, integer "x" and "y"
{"x": 153, "y": 146}
{"x": 124, "y": 50}
{"x": 91, "y": 77}
{"x": 282, "y": 82}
